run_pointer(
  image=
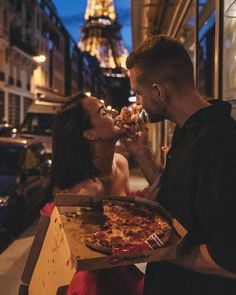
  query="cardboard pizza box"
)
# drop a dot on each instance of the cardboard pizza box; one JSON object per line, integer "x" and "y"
{"x": 59, "y": 250}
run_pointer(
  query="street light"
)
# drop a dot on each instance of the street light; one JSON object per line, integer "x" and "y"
{"x": 88, "y": 93}
{"x": 39, "y": 58}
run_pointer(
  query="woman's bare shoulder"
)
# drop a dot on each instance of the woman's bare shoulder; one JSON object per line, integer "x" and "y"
{"x": 120, "y": 160}
{"x": 121, "y": 164}
{"x": 87, "y": 187}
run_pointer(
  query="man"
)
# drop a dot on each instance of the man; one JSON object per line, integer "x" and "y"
{"x": 197, "y": 185}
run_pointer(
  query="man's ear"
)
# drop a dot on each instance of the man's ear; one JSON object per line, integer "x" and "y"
{"x": 159, "y": 91}
{"x": 90, "y": 134}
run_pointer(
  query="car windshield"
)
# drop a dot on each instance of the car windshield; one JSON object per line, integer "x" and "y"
{"x": 37, "y": 124}
{"x": 9, "y": 158}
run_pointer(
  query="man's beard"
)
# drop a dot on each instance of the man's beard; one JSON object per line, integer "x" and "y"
{"x": 155, "y": 117}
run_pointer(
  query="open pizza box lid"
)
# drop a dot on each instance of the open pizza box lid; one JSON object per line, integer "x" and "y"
{"x": 62, "y": 248}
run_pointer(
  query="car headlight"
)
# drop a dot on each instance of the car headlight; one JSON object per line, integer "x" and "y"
{"x": 4, "y": 201}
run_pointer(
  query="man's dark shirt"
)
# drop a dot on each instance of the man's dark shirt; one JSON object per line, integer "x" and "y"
{"x": 198, "y": 188}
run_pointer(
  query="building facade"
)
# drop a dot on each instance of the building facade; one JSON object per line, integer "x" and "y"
{"x": 38, "y": 58}
{"x": 91, "y": 77}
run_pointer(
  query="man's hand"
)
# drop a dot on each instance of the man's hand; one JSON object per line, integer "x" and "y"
{"x": 199, "y": 260}
{"x": 136, "y": 138}
{"x": 136, "y": 142}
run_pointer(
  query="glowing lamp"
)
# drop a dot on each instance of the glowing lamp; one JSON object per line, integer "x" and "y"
{"x": 39, "y": 58}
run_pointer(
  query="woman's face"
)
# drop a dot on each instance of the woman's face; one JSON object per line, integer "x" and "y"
{"x": 101, "y": 119}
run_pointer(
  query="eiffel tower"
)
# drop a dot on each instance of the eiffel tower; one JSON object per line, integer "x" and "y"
{"x": 101, "y": 38}
{"x": 101, "y": 35}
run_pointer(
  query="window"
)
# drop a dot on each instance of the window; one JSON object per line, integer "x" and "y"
{"x": 14, "y": 109}
{"x": 229, "y": 53}
{"x": 38, "y": 21}
{"x": 19, "y": 6}
{"x": 27, "y": 103}
{"x": 2, "y": 65}
{"x": 9, "y": 158}
{"x": 2, "y": 76}
{"x": 186, "y": 32}
{"x": 206, "y": 36}
{"x": 18, "y": 75}
{"x": 47, "y": 10}
{"x": 38, "y": 124}
{"x": 31, "y": 160}
{"x": 1, "y": 105}
{"x": 5, "y": 18}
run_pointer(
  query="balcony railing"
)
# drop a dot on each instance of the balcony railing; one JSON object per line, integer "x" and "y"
{"x": 16, "y": 40}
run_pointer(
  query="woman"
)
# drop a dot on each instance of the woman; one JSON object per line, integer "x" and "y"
{"x": 84, "y": 162}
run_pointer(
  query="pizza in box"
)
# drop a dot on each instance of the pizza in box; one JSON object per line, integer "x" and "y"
{"x": 129, "y": 227}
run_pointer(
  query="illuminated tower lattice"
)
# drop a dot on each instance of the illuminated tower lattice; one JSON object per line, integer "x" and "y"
{"x": 101, "y": 35}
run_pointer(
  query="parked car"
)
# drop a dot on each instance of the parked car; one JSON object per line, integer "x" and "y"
{"x": 7, "y": 130}
{"x": 25, "y": 179}
{"x": 37, "y": 124}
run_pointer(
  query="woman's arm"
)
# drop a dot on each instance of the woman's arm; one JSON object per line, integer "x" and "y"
{"x": 123, "y": 168}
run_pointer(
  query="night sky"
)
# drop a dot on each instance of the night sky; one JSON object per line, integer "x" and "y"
{"x": 72, "y": 15}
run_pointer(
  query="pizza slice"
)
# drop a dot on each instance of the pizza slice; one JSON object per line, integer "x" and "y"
{"x": 128, "y": 116}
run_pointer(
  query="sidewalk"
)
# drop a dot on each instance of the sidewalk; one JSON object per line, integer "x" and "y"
{"x": 12, "y": 260}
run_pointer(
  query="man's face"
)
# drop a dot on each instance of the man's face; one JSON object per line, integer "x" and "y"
{"x": 147, "y": 97}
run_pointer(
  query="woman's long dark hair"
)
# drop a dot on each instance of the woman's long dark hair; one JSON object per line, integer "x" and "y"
{"x": 72, "y": 160}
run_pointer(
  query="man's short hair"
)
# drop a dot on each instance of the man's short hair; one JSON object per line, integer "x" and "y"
{"x": 162, "y": 58}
